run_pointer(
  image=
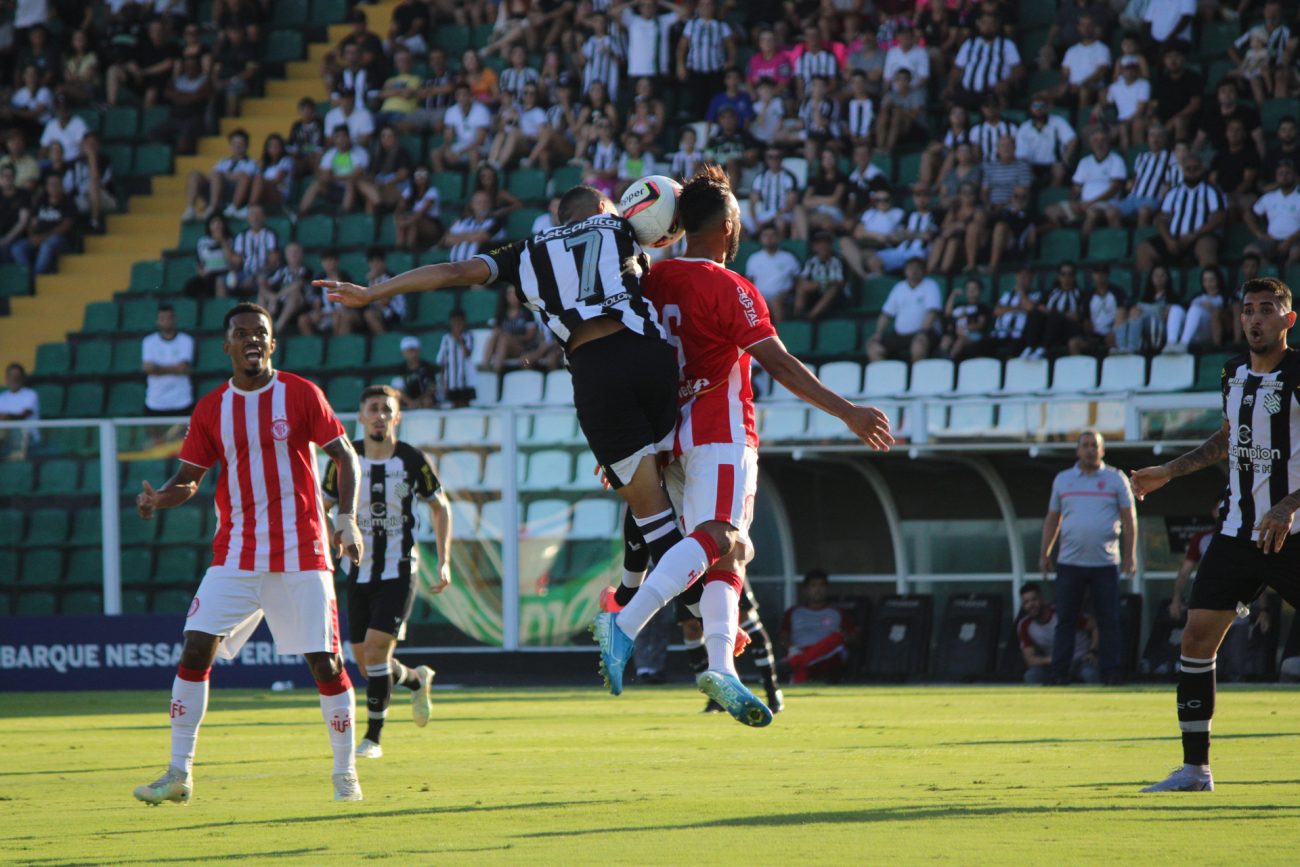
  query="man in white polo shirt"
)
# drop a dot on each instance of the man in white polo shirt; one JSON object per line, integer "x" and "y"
{"x": 913, "y": 309}
{"x": 16, "y": 403}
{"x": 167, "y": 356}
{"x": 1281, "y": 209}
{"x": 1047, "y": 142}
{"x": 1098, "y": 182}
{"x": 773, "y": 270}
{"x": 1092, "y": 510}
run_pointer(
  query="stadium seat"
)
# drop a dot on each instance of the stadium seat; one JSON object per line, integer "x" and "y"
{"x": 546, "y": 519}
{"x": 931, "y": 376}
{"x": 1123, "y": 373}
{"x": 50, "y": 397}
{"x": 344, "y": 393}
{"x": 595, "y": 519}
{"x": 11, "y": 522}
{"x": 481, "y": 337}
{"x": 519, "y": 224}
{"x": 212, "y": 357}
{"x": 147, "y": 276}
{"x": 15, "y": 280}
{"x": 136, "y": 564}
{"x": 522, "y": 388}
{"x": 462, "y": 428}
{"x": 480, "y": 307}
{"x": 464, "y": 518}
{"x": 178, "y": 272}
{"x": 135, "y": 602}
{"x": 837, "y": 337}
{"x": 492, "y": 520}
{"x": 451, "y": 185}
{"x": 171, "y": 602}
{"x": 305, "y": 352}
{"x": 1025, "y": 376}
{"x": 16, "y": 478}
{"x": 554, "y": 428}
{"x": 487, "y": 385}
{"x": 1209, "y": 371}
{"x": 559, "y": 388}
{"x": 529, "y": 185}
{"x": 1109, "y": 416}
{"x": 182, "y": 526}
{"x": 459, "y": 470}
{"x": 316, "y": 232}
{"x": 42, "y": 566}
{"x": 823, "y": 426}
{"x": 979, "y": 376}
{"x": 1171, "y": 373}
{"x": 57, "y": 477}
{"x": 177, "y": 565}
{"x": 1074, "y": 373}
{"x": 53, "y": 359}
{"x": 1059, "y": 245}
{"x": 885, "y": 379}
{"x": 797, "y": 337}
{"x": 346, "y": 352}
{"x": 125, "y": 400}
{"x": 138, "y": 317}
{"x": 153, "y": 159}
{"x": 87, "y": 527}
{"x": 1108, "y": 245}
{"x": 152, "y": 471}
{"x": 842, "y": 377}
{"x": 782, "y": 423}
{"x": 35, "y": 604}
{"x": 548, "y": 470}
{"x": 99, "y": 317}
{"x": 436, "y": 307}
{"x": 85, "y": 566}
{"x": 283, "y": 46}
{"x": 564, "y": 178}
{"x": 355, "y": 230}
{"x": 1066, "y": 418}
{"x": 120, "y": 124}
{"x": 93, "y": 357}
{"x": 1017, "y": 420}
{"x": 969, "y": 419}
{"x": 85, "y": 399}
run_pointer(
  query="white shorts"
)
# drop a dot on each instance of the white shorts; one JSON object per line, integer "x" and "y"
{"x": 715, "y": 482}
{"x": 300, "y": 608}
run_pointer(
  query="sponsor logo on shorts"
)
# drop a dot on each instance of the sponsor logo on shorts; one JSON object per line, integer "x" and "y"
{"x": 194, "y": 607}
{"x": 280, "y": 430}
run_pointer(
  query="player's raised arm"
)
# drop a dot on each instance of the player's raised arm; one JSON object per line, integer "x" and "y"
{"x": 1208, "y": 453}
{"x": 426, "y": 278}
{"x": 868, "y": 423}
{"x": 347, "y": 535}
{"x": 175, "y": 492}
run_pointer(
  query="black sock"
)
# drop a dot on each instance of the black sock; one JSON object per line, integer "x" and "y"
{"x": 636, "y": 558}
{"x": 760, "y": 648}
{"x": 697, "y": 656}
{"x": 379, "y": 691}
{"x": 660, "y": 533}
{"x": 403, "y": 676}
{"x": 1195, "y": 707}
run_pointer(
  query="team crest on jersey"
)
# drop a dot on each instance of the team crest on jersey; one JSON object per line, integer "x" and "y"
{"x": 1272, "y": 403}
{"x": 194, "y": 607}
{"x": 280, "y": 430}
{"x": 967, "y": 632}
{"x": 402, "y": 489}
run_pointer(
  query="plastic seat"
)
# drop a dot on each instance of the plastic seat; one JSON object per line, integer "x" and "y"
{"x": 595, "y": 519}
{"x": 355, "y": 230}
{"x": 970, "y": 419}
{"x": 522, "y": 388}
{"x": 82, "y": 602}
{"x": 283, "y": 46}
{"x": 1059, "y": 245}
{"x": 136, "y": 564}
{"x": 527, "y": 184}
{"x": 979, "y": 376}
{"x": 584, "y": 477}
{"x": 1123, "y": 373}
{"x": 171, "y": 602}
{"x": 842, "y": 377}
{"x": 782, "y": 423}
{"x": 1067, "y": 417}
{"x": 464, "y": 519}
{"x": 57, "y": 477}
{"x": 553, "y": 428}
{"x": 492, "y": 520}
{"x": 548, "y": 470}
{"x": 125, "y": 400}
{"x": 346, "y": 352}
{"x": 53, "y": 359}
{"x": 1110, "y": 417}
{"x": 487, "y": 385}
{"x": 1171, "y": 373}
{"x": 462, "y": 428}
{"x": 931, "y": 376}
{"x": 559, "y": 388}
{"x": 493, "y": 471}
{"x": 823, "y": 426}
{"x": 177, "y": 565}
{"x": 182, "y": 526}
{"x": 42, "y": 566}
{"x": 35, "y": 603}
{"x": 47, "y": 527}
{"x": 547, "y": 518}
{"x": 459, "y": 470}
{"x": 884, "y": 379}
{"x": 1025, "y": 376}
{"x": 11, "y": 527}
{"x": 1074, "y": 373}
{"x": 305, "y": 352}
{"x": 99, "y": 317}
{"x": 797, "y": 337}
{"x": 837, "y": 337}
{"x": 16, "y": 479}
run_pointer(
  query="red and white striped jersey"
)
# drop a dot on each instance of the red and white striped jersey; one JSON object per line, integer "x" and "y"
{"x": 269, "y": 512}
{"x": 712, "y": 316}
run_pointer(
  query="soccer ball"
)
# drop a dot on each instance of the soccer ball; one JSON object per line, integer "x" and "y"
{"x": 650, "y": 205}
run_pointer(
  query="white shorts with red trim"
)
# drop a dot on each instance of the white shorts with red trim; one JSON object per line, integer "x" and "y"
{"x": 715, "y": 482}
{"x": 299, "y": 607}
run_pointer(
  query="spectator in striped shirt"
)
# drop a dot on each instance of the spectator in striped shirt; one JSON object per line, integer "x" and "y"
{"x": 822, "y": 284}
{"x": 601, "y": 57}
{"x": 387, "y": 313}
{"x": 455, "y": 364}
{"x": 235, "y": 171}
{"x": 986, "y": 63}
{"x": 911, "y": 239}
{"x": 284, "y": 289}
{"x": 1191, "y": 217}
{"x": 1057, "y": 323}
{"x": 687, "y": 158}
{"x": 518, "y": 76}
{"x": 966, "y": 321}
{"x": 1277, "y": 76}
{"x": 706, "y": 47}
{"x": 1154, "y": 173}
{"x": 1003, "y": 175}
{"x": 985, "y": 134}
{"x": 773, "y": 198}
{"x": 813, "y": 61}
{"x": 467, "y": 235}
{"x": 252, "y": 247}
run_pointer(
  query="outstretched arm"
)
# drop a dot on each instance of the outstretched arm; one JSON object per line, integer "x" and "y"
{"x": 868, "y": 423}
{"x": 1210, "y": 452}
{"x": 176, "y": 492}
{"x": 426, "y": 278}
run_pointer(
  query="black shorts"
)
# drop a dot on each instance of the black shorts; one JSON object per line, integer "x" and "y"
{"x": 1234, "y": 570}
{"x": 384, "y": 606}
{"x": 625, "y": 392}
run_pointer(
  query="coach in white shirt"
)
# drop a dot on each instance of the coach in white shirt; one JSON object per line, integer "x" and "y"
{"x": 19, "y": 402}
{"x": 773, "y": 270}
{"x": 168, "y": 355}
{"x": 913, "y": 309}
{"x": 1281, "y": 208}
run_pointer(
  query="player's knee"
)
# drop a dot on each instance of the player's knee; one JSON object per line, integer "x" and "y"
{"x": 723, "y": 535}
{"x": 199, "y": 650}
{"x": 324, "y": 666}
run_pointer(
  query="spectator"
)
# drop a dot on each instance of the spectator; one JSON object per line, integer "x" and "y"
{"x": 1130, "y": 53}
{"x": 64, "y": 127}
{"x": 986, "y": 63}
{"x": 235, "y": 70}
{"x": 409, "y": 25}
{"x": 687, "y": 159}
{"x": 306, "y": 139}
{"x": 1281, "y": 211}
{"x": 548, "y": 219}
{"x": 386, "y": 314}
{"x": 595, "y": 110}
{"x": 1235, "y": 169}
{"x": 1064, "y": 31}
{"x": 92, "y": 179}
{"x": 547, "y": 22}
{"x": 1098, "y": 183}
{"x": 516, "y": 77}
{"x": 647, "y": 118}
{"x": 417, "y": 379}
{"x": 909, "y": 318}
{"x": 1143, "y": 326}
{"x": 286, "y": 285}
{"x": 966, "y": 320}
{"x": 369, "y": 47}
{"x": 30, "y": 106}
{"x": 1047, "y": 142}
{"x": 1216, "y": 118}
{"x": 349, "y": 113}
{"x": 27, "y": 171}
{"x": 189, "y": 95}
{"x": 1286, "y": 147}
{"x": 1202, "y": 321}
{"x": 215, "y": 254}
{"x": 390, "y": 173}
{"x": 773, "y": 270}
{"x": 323, "y": 316}
{"x": 236, "y": 171}
{"x": 773, "y": 197}
{"x": 814, "y": 633}
{"x": 556, "y": 139}
{"x": 1105, "y": 307}
{"x": 876, "y": 230}
{"x": 705, "y": 48}
{"x": 273, "y": 183}
{"x": 1097, "y": 540}
{"x": 502, "y": 203}
{"x": 907, "y": 54}
{"x": 516, "y": 341}
{"x": 1169, "y": 22}
{"x": 484, "y": 86}
{"x": 18, "y": 403}
{"x": 731, "y": 97}
{"x": 771, "y": 64}
{"x": 465, "y": 143}
{"x": 818, "y": 120}
{"x": 353, "y": 76}
{"x": 1011, "y": 313}
{"x": 1001, "y": 176}
{"x": 633, "y": 164}
{"x": 1154, "y": 173}
{"x": 863, "y": 53}
{"x": 342, "y": 168}
{"x": 902, "y": 113}
{"x": 167, "y": 356}
{"x": 769, "y": 114}
{"x": 647, "y": 32}
{"x": 962, "y": 229}
{"x": 1260, "y": 54}
{"x": 419, "y": 225}
{"x": 251, "y": 260}
{"x": 400, "y": 91}
{"x": 38, "y": 51}
{"x": 1015, "y": 230}
{"x": 985, "y": 134}
{"x": 51, "y": 231}
{"x": 865, "y": 177}
{"x": 147, "y": 67}
{"x": 732, "y": 147}
{"x": 911, "y": 239}
{"x": 1131, "y": 96}
{"x": 436, "y": 91}
{"x": 1037, "y": 632}
{"x": 1176, "y": 96}
{"x": 1085, "y": 67}
{"x": 15, "y": 211}
{"x": 1254, "y": 68}
{"x": 1191, "y": 216}
{"x": 455, "y": 362}
{"x": 824, "y": 199}
{"x": 477, "y": 227}
{"x": 939, "y": 155}
{"x": 813, "y": 60}
{"x": 601, "y": 56}
{"x": 964, "y": 170}
{"x": 519, "y": 128}
{"x": 1057, "y": 323}
{"x": 822, "y": 285}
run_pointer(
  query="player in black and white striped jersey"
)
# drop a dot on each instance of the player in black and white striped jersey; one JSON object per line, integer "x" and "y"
{"x": 1254, "y": 547}
{"x": 382, "y": 587}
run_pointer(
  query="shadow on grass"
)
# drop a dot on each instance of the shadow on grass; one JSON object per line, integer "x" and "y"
{"x": 1021, "y": 742}
{"x": 232, "y": 856}
{"x": 152, "y": 766}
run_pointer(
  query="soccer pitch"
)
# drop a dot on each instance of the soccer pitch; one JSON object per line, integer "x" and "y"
{"x": 852, "y": 775}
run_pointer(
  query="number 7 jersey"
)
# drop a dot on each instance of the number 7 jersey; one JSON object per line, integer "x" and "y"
{"x": 713, "y": 316}
{"x": 577, "y": 272}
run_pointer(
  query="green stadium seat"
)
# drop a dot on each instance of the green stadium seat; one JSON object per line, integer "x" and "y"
{"x": 435, "y": 307}
{"x": 344, "y": 393}
{"x": 15, "y": 280}
{"x": 139, "y": 316}
{"x": 85, "y": 399}
{"x": 16, "y": 478}
{"x": 11, "y": 522}
{"x": 797, "y": 337}
{"x": 51, "y": 398}
{"x": 435, "y": 256}
{"x": 386, "y": 350}
{"x": 1216, "y": 38}
{"x": 35, "y": 604}
{"x": 136, "y": 563}
{"x": 837, "y": 337}
{"x": 528, "y": 184}
{"x": 153, "y": 159}
{"x": 212, "y": 358}
{"x": 328, "y": 11}
{"x": 122, "y": 158}
{"x": 796, "y": 246}
{"x": 354, "y": 264}
{"x": 875, "y": 291}
{"x": 187, "y": 313}
{"x": 152, "y": 117}
{"x": 1108, "y": 245}
{"x": 177, "y": 272}
{"x": 93, "y": 357}
{"x": 214, "y": 314}
{"x": 316, "y": 232}
{"x": 42, "y": 566}
{"x": 171, "y": 602}
{"x": 53, "y": 359}
{"x": 1273, "y": 110}
{"x": 153, "y": 471}
{"x": 480, "y": 307}
{"x": 414, "y": 146}
{"x": 453, "y": 38}
{"x": 1141, "y": 233}
{"x": 177, "y": 565}
{"x": 125, "y": 400}
{"x": 188, "y": 239}
{"x": 8, "y": 566}
{"x": 132, "y": 529}
{"x": 1043, "y": 79}
{"x": 99, "y": 317}
{"x": 398, "y": 261}
{"x": 57, "y": 477}
{"x": 121, "y": 123}
{"x": 520, "y": 223}
{"x": 909, "y": 169}
{"x": 87, "y": 527}
{"x": 387, "y": 237}
{"x": 92, "y": 119}
{"x": 564, "y": 178}
{"x": 1219, "y": 70}
{"x": 1059, "y": 245}
{"x": 346, "y": 352}
{"x": 289, "y": 15}
{"x": 356, "y": 230}
{"x": 47, "y": 527}
{"x": 451, "y": 185}
{"x": 1209, "y": 371}
{"x": 183, "y": 527}
{"x": 304, "y": 353}
{"x": 1051, "y": 196}
{"x": 481, "y": 34}
{"x": 91, "y": 478}
{"x": 85, "y": 566}
{"x": 135, "y": 602}
{"x": 283, "y": 46}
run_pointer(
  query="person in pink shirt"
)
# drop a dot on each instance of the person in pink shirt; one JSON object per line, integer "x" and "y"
{"x": 770, "y": 62}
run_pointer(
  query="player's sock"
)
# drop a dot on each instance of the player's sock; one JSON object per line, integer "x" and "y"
{"x": 379, "y": 692}
{"x": 404, "y": 676}
{"x": 338, "y": 707}
{"x": 718, "y": 611}
{"x": 688, "y": 560}
{"x": 1196, "y": 707}
{"x": 761, "y": 651}
{"x": 660, "y": 533}
{"x": 636, "y": 558}
{"x": 696, "y": 655}
{"x": 189, "y": 704}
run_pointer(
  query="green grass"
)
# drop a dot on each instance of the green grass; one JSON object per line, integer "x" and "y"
{"x": 851, "y": 775}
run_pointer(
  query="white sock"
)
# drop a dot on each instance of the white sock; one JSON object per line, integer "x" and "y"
{"x": 718, "y": 608}
{"x": 189, "y": 704}
{"x": 339, "y": 712}
{"x": 633, "y": 579}
{"x": 684, "y": 562}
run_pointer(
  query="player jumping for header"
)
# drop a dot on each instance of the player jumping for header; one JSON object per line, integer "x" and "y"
{"x": 270, "y": 555}
{"x": 717, "y": 320}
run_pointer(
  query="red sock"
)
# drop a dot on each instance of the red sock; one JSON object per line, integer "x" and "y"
{"x": 337, "y": 685}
